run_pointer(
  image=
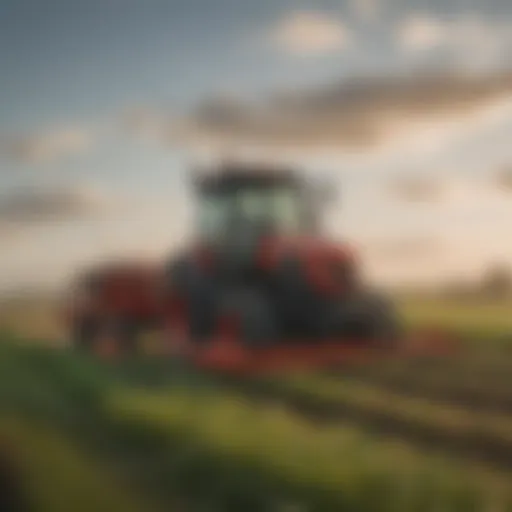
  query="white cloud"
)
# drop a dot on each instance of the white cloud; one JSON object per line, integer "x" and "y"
{"x": 453, "y": 193}
{"x": 365, "y": 10}
{"x": 480, "y": 44}
{"x": 421, "y": 32}
{"x": 415, "y": 189}
{"x": 47, "y": 146}
{"x": 146, "y": 124}
{"x": 395, "y": 119}
{"x": 472, "y": 41}
{"x": 310, "y": 33}
{"x": 31, "y": 206}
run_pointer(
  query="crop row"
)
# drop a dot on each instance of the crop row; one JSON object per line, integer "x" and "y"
{"x": 437, "y": 384}
{"x": 456, "y": 430}
{"x": 262, "y": 457}
{"x": 218, "y": 450}
{"x": 48, "y": 473}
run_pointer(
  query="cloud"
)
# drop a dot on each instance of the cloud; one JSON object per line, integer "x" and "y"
{"x": 402, "y": 248}
{"x": 145, "y": 123}
{"x": 471, "y": 41}
{"x": 414, "y": 189}
{"x": 47, "y": 146}
{"x": 365, "y": 10}
{"x": 356, "y": 114}
{"x": 307, "y": 33}
{"x": 421, "y": 32}
{"x": 30, "y": 206}
{"x": 455, "y": 192}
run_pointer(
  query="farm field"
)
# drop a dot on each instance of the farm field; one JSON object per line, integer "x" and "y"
{"x": 151, "y": 434}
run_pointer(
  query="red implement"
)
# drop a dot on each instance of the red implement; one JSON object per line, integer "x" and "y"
{"x": 224, "y": 353}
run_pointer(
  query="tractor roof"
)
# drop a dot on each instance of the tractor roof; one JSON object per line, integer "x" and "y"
{"x": 232, "y": 177}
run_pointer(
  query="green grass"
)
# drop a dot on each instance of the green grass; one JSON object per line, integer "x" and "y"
{"x": 450, "y": 419}
{"x": 59, "y": 477}
{"x": 483, "y": 386}
{"x": 479, "y": 319}
{"x": 51, "y": 416}
{"x": 337, "y": 468}
{"x": 136, "y": 433}
{"x": 151, "y": 432}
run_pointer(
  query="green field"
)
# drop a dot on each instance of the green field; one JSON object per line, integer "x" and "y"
{"x": 150, "y": 434}
{"x": 479, "y": 319}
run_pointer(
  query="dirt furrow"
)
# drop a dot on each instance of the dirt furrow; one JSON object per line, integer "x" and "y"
{"x": 488, "y": 449}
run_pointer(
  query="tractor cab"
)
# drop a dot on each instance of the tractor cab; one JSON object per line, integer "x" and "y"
{"x": 247, "y": 201}
{"x": 240, "y": 206}
{"x": 262, "y": 278}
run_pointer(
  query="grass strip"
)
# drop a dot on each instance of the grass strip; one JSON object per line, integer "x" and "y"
{"x": 56, "y": 476}
{"x": 454, "y": 430}
{"x": 228, "y": 449}
{"x": 436, "y": 383}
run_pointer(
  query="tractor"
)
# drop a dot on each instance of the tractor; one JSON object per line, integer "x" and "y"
{"x": 261, "y": 286}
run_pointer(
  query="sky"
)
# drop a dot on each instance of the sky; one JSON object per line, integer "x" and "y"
{"x": 93, "y": 93}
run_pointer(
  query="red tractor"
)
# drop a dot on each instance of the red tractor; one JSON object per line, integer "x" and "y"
{"x": 262, "y": 287}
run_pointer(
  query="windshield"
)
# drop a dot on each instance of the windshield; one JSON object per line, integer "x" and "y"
{"x": 277, "y": 207}
{"x": 214, "y": 214}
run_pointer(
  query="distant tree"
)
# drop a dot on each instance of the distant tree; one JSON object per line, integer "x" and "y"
{"x": 497, "y": 281}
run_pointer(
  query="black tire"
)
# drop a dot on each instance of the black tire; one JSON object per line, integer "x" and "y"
{"x": 299, "y": 307}
{"x": 87, "y": 332}
{"x": 126, "y": 332}
{"x": 257, "y": 320}
{"x": 369, "y": 317}
{"x": 181, "y": 276}
{"x": 201, "y": 293}
{"x": 84, "y": 333}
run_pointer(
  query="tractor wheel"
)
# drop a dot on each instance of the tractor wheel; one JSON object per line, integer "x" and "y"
{"x": 200, "y": 292}
{"x": 125, "y": 334}
{"x": 182, "y": 276}
{"x": 84, "y": 333}
{"x": 257, "y": 323}
{"x": 370, "y": 317}
{"x": 90, "y": 334}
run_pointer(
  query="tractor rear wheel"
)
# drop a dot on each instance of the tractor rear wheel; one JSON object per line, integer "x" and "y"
{"x": 257, "y": 324}
{"x": 370, "y": 318}
{"x": 90, "y": 333}
{"x": 84, "y": 332}
{"x": 188, "y": 281}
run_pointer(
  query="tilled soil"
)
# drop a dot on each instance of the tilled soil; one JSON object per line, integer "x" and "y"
{"x": 487, "y": 449}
